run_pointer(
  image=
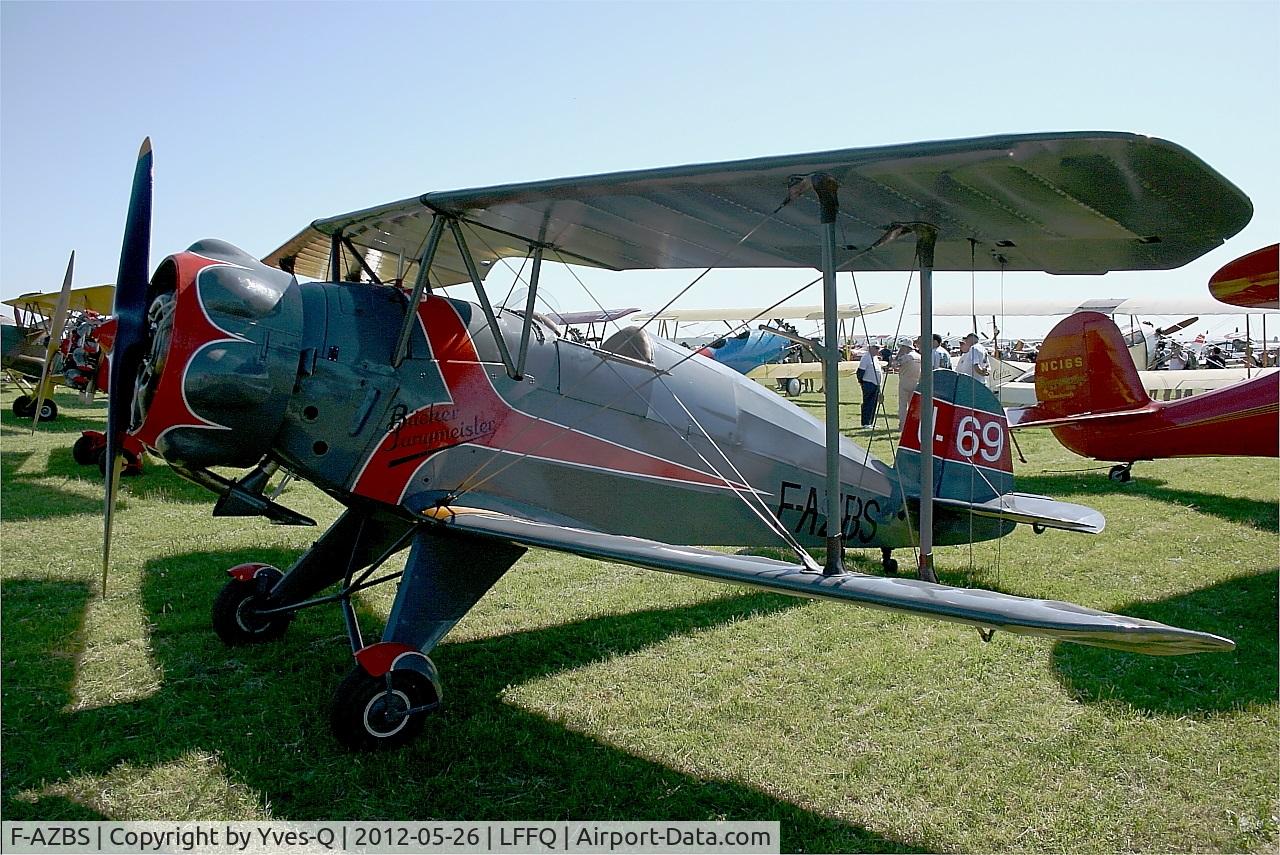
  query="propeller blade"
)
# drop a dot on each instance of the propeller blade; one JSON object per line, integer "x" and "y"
{"x": 1181, "y": 325}
{"x": 59, "y": 321}
{"x": 129, "y": 311}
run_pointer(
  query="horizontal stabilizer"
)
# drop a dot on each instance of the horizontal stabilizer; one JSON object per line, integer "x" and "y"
{"x": 988, "y": 610}
{"x": 1033, "y": 510}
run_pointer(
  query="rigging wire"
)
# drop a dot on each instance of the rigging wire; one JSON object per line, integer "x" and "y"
{"x": 893, "y": 446}
{"x": 775, "y": 526}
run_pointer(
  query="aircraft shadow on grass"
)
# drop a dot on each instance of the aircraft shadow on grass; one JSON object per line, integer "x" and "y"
{"x": 1243, "y": 609}
{"x": 29, "y": 496}
{"x": 259, "y": 709}
{"x": 1258, "y": 513}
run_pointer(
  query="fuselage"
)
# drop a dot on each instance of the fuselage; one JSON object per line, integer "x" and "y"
{"x": 248, "y": 364}
{"x": 1240, "y": 419}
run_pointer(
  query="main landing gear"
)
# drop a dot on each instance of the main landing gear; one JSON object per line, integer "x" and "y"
{"x": 1121, "y": 472}
{"x": 385, "y": 699}
{"x": 888, "y": 563}
{"x": 24, "y": 407}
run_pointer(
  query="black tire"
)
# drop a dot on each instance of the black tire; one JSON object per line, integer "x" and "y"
{"x": 363, "y": 716}
{"x": 232, "y": 616}
{"x": 890, "y": 566}
{"x": 85, "y": 451}
{"x": 48, "y": 411}
{"x": 22, "y": 406}
{"x": 1120, "y": 473}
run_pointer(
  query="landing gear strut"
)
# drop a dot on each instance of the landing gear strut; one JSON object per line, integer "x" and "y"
{"x": 1121, "y": 472}
{"x": 384, "y": 701}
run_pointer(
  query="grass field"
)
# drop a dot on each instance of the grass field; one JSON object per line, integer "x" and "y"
{"x": 583, "y": 690}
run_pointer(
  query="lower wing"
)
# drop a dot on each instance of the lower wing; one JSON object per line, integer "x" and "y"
{"x": 987, "y": 610}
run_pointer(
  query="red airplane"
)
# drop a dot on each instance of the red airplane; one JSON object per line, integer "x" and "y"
{"x": 1252, "y": 281}
{"x": 1090, "y": 395}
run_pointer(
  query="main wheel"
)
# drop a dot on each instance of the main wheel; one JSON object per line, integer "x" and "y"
{"x": 366, "y": 716}
{"x": 1121, "y": 472}
{"x": 48, "y": 411}
{"x": 793, "y": 387}
{"x": 22, "y": 406}
{"x": 85, "y": 451}
{"x": 233, "y": 614}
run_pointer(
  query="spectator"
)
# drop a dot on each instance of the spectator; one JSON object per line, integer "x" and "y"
{"x": 941, "y": 358}
{"x": 908, "y": 378}
{"x": 870, "y": 377}
{"x": 973, "y": 359}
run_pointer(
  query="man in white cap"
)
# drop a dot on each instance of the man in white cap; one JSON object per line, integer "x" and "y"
{"x": 973, "y": 359}
{"x": 908, "y": 378}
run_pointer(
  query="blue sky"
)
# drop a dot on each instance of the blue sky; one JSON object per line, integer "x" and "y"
{"x": 266, "y": 116}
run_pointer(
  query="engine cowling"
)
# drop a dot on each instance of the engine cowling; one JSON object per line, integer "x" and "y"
{"x": 221, "y": 357}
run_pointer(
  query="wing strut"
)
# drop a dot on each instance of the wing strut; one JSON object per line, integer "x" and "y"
{"x": 827, "y": 188}
{"x": 420, "y": 286}
{"x": 926, "y": 239}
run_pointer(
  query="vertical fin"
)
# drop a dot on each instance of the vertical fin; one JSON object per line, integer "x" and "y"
{"x": 1084, "y": 367}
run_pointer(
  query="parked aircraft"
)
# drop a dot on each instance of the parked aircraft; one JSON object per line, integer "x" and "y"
{"x": 1093, "y": 399}
{"x": 759, "y": 353}
{"x": 1149, "y": 346}
{"x": 58, "y": 339}
{"x": 469, "y": 435}
{"x": 1249, "y": 281}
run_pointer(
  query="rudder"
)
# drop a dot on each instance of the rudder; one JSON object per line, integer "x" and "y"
{"x": 972, "y": 461}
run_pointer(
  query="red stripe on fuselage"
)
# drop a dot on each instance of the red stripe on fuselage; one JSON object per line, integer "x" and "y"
{"x": 478, "y": 415}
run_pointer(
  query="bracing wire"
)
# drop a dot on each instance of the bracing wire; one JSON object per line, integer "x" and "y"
{"x": 880, "y": 404}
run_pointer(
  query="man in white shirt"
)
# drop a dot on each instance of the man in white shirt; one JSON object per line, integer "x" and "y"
{"x": 973, "y": 359}
{"x": 908, "y": 378}
{"x": 941, "y": 358}
{"x": 870, "y": 376}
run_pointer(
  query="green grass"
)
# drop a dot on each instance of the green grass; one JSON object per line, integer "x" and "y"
{"x": 583, "y": 690}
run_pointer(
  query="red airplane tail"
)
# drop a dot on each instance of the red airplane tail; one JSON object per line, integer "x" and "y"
{"x": 1084, "y": 371}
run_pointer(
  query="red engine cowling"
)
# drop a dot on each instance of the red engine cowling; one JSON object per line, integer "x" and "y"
{"x": 222, "y": 343}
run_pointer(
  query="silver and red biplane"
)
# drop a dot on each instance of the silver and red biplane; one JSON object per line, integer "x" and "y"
{"x": 467, "y": 434}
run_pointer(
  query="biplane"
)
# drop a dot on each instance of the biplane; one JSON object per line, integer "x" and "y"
{"x": 468, "y": 435}
{"x": 1092, "y": 397}
{"x": 60, "y": 338}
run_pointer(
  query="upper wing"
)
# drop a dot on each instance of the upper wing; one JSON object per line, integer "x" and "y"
{"x": 1252, "y": 281}
{"x": 984, "y": 609}
{"x": 1062, "y": 203}
{"x": 1057, "y": 308}
{"x": 97, "y": 298}
{"x": 595, "y": 316}
{"x": 750, "y": 313}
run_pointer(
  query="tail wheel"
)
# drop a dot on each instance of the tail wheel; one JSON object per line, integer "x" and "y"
{"x": 234, "y": 617}
{"x": 377, "y": 713}
{"x": 85, "y": 451}
{"x": 22, "y": 406}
